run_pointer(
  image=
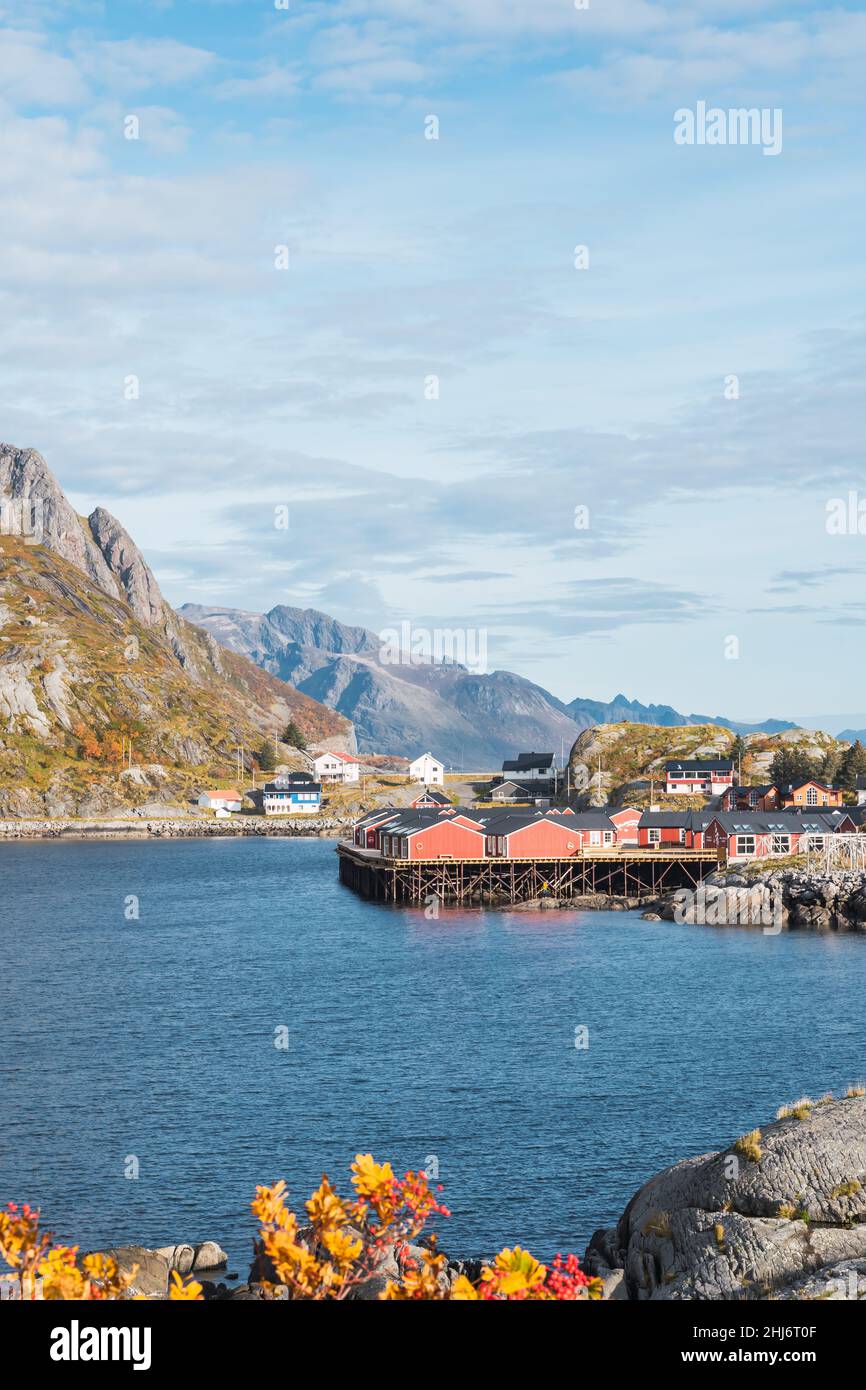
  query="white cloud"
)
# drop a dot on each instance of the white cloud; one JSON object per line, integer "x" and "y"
{"x": 33, "y": 76}
{"x": 133, "y": 65}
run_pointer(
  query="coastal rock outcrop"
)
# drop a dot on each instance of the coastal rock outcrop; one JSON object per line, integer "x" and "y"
{"x": 784, "y": 899}
{"x": 780, "y": 1213}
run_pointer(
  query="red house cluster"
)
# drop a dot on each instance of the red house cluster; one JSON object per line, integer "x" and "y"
{"x": 422, "y": 832}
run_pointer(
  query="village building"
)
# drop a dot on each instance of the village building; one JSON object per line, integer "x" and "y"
{"x": 224, "y": 800}
{"x": 699, "y": 776}
{"x": 524, "y": 835}
{"x": 745, "y": 835}
{"x": 428, "y": 770}
{"x": 510, "y": 791}
{"x": 860, "y": 788}
{"x": 430, "y": 798}
{"x": 291, "y": 794}
{"x": 760, "y": 798}
{"x": 416, "y": 835}
{"x": 657, "y": 828}
{"x": 336, "y": 767}
{"x": 529, "y": 767}
{"x": 808, "y": 794}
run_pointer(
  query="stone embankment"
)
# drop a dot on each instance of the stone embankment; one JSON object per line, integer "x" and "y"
{"x": 166, "y": 829}
{"x": 788, "y": 899}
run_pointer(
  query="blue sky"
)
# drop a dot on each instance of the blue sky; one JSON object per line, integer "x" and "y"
{"x": 559, "y": 387}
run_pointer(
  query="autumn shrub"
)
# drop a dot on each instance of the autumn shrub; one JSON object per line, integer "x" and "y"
{"x": 379, "y": 1233}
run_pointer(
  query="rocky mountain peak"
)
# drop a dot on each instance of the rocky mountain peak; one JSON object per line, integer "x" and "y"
{"x": 128, "y": 566}
{"x": 50, "y": 520}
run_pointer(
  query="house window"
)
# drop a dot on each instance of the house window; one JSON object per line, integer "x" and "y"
{"x": 594, "y": 837}
{"x": 608, "y": 837}
{"x": 780, "y": 844}
{"x": 654, "y": 836}
{"x": 745, "y": 844}
{"x": 811, "y": 797}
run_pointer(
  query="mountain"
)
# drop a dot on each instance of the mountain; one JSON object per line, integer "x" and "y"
{"x": 620, "y": 709}
{"x": 852, "y": 736}
{"x": 468, "y": 720}
{"x": 92, "y": 655}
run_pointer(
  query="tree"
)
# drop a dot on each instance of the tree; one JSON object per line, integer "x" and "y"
{"x": 738, "y": 753}
{"x": 265, "y": 757}
{"x": 792, "y": 764}
{"x": 293, "y": 736}
{"x": 853, "y": 766}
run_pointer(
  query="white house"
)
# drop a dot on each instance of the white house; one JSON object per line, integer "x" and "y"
{"x": 428, "y": 770}
{"x": 221, "y": 800}
{"x": 292, "y": 794}
{"x": 336, "y": 767}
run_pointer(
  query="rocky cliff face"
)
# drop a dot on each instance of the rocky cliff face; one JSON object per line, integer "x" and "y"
{"x": 26, "y": 477}
{"x": 780, "y": 1213}
{"x": 91, "y": 656}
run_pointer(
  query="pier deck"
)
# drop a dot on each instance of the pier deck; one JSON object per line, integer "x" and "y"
{"x": 626, "y": 873}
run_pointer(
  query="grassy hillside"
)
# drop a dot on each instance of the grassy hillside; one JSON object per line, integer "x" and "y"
{"x": 80, "y": 677}
{"x": 625, "y": 762}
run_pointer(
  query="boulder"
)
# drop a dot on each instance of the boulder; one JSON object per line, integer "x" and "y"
{"x": 783, "y": 1216}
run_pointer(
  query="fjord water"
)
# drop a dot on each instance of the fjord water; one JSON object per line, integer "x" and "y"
{"x": 153, "y": 1039}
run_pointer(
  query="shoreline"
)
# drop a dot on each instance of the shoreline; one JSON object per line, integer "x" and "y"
{"x": 157, "y": 828}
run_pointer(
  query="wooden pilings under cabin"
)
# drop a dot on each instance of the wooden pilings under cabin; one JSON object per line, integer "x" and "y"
{"x": 624, "y": 873}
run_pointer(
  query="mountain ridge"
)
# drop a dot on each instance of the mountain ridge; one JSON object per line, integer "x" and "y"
{"x": 405, "y": 708}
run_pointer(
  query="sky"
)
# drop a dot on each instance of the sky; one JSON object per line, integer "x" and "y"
{"x": 552, "y": 376}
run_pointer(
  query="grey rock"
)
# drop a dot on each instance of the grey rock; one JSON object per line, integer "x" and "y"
{"x": 712, "y": 1227}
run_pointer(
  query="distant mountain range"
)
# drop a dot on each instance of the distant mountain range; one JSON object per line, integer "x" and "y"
{"x": 469, "y": 720}
{"x": 852, "y": 736}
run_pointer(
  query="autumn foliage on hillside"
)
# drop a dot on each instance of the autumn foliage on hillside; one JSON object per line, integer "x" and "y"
{"x": 342, "y": 1244}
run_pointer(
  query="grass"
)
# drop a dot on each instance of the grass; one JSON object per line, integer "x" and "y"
{"x": 854, "y": 1091}
{"x": 846, "y": 1189}
{"x": 658, "y": 1224}
{"x": 798, "y": 1110}
{"x": 749, "y": 1146}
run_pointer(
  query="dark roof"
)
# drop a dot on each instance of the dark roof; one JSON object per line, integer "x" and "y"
{"x": 439, "y": 798}
{"x": 784, "y": 822}
{"x": 283, "y": 785}
{"x": 591, "y": 820}
{"x": 761, "y": 789}
{"x": 701, "y": 765}
{"x": 677, "y": 819}
{"x": 501, "y": 787}
{"x": 525, "y": 762}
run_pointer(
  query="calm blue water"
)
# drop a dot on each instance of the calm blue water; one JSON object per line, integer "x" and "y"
{"x": 407, "y": 1037}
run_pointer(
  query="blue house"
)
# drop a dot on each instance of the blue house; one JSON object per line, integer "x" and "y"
{"x": 292, "y": 794}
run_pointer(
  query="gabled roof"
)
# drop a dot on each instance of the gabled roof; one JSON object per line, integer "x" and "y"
{"x": 341, "y": 757}
{"x": 515, "y": 786}
{"x": 225, "y": 794}
{"x": 438, "y": 798}
{"x": 525, "y": 762}
{"x": 768, "y": 822}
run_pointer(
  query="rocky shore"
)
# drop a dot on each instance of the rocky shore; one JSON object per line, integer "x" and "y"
{"x": 780, "y": 1213}
{"x": 167, "y": 828}
{"x": 780, "y": 899}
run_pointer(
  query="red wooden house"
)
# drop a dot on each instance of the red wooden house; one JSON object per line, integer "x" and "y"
{"x": 443, "y": 836}
{"x": 522, "y": 835}
{"x": 658, "y": 828}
